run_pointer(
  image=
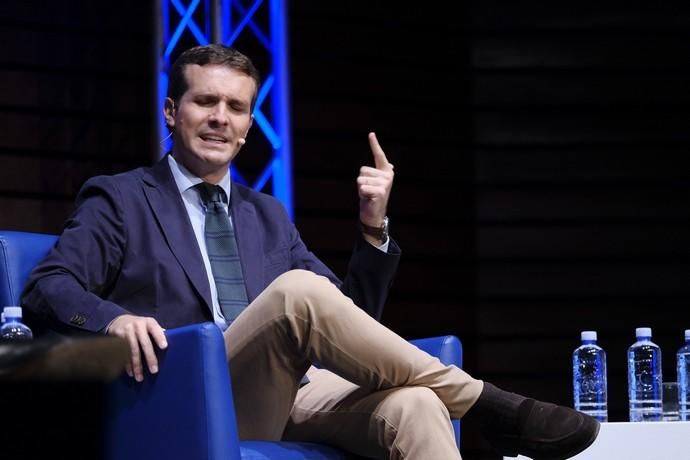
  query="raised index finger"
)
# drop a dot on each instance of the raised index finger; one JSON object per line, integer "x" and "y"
{"x": 380, "y": 160}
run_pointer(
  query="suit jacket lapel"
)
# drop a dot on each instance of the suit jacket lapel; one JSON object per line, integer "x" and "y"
{"x": 246, "y": 227}
{"x": 169, "y": 210}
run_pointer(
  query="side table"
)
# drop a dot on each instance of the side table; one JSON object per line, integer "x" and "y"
{"x": 638, "y": 441}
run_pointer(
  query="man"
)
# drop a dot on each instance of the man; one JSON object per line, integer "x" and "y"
{"x": 145, "y": 249}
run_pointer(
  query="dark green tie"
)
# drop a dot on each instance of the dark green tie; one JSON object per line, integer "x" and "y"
{"x": 222, "y": 252}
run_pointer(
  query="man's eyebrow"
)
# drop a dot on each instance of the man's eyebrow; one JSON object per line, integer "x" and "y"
{"x": 215, "y": 98}
{"x": 205, "y": 94}
{"x": 237, "y": 99}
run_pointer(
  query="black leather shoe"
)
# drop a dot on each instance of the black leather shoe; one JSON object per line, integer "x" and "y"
{"x": 547, "y": 432}
{"x": 515, "y": 425}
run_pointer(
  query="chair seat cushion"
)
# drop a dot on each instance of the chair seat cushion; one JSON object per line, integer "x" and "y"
{"x": 266, "y": 450}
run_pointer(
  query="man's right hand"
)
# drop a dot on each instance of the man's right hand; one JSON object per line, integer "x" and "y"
{"x": 139, "y": 332}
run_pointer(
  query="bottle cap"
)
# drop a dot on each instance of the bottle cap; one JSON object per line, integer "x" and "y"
{"x": 588, "y": 335}
{"x": 643, "y": 332}
{"x": 12, "y": 312}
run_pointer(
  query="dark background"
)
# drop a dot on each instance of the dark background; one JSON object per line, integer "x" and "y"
{"x": 542, "y": 186}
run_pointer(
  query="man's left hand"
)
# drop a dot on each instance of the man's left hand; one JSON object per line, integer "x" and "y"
{"x": 374, "y": 187}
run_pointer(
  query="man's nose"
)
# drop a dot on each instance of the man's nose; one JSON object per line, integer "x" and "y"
{"x": 219, "y": 114}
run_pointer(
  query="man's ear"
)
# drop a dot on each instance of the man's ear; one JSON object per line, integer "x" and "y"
{"x": 169, "y": 112}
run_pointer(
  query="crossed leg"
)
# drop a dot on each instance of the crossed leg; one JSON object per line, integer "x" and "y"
{"x": 302, "y": 318}
{"x": 399, "y": 423}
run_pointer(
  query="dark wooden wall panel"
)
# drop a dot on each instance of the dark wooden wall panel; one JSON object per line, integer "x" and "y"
{"x": 582, "y": 186}
{"x": 77, "y": 78}
{"x": 542, "y": 181}
{"x": 401, "y": 71}
{"x": 584, "y": 241}
{"x": 581, "y": 164}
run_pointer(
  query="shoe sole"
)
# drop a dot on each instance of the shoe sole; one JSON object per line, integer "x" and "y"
{"x": 506, "y": 447}
{"x": 573, "y": 453}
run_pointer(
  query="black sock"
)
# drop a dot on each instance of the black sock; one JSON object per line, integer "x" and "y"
{"x": 496, "y": 409}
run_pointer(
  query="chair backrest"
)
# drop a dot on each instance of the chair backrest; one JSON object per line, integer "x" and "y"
{"x": 19, "y": 254}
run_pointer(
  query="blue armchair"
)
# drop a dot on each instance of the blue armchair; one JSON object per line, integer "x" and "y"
{"x": 186, "y": 411}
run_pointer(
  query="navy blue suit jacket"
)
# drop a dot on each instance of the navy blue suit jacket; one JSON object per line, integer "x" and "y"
{"x": 129, "y": 247}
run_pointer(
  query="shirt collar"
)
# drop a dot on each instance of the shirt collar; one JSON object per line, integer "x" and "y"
{"x": 186, "y": 180}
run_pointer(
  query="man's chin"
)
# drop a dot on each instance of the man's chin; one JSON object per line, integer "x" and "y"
{"x": 216, "y": 156}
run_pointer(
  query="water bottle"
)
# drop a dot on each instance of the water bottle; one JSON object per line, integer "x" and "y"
{"x": 683, "y": 374}
{"x": 644, "y": 378}
{"x": 13, "y": 328}
{"x": 589, "y": 377}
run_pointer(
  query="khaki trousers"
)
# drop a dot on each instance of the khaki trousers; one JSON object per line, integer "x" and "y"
{"x": 374, "y": 393}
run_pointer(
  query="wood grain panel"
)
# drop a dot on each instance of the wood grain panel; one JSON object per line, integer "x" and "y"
{"x": 563, "y": 317}
{"x": 123, "y": 98}
{"x": 540, "y": 152}
{"x": 581, "y": 278}
{"x": 78, "y": 135}
{"x": 557, "y": 126}
{"x": 581, "y": 164}
{"x": 652, "y": 90}
{"x": 586, "y": 15}
{"x": 582, "y": 185}
{"x": 77, "y": 103}
{"x": 584, "y": 241}
{"x": 631, "y": 203}
{"x": 607, "y": 50}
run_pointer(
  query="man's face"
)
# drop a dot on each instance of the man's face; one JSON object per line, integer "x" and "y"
{"x": 213, "y": 115}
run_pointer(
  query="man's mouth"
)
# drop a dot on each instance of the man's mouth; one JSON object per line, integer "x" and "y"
{"x": 215, "y": 138}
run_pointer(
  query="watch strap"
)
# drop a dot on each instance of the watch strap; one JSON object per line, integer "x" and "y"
{"x": 381, "y": 233}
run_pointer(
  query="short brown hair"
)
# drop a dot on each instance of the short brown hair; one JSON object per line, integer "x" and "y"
{"x": 213, "y": 54}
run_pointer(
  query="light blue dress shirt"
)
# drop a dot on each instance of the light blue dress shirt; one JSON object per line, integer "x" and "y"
{"x": 196, "y": 210}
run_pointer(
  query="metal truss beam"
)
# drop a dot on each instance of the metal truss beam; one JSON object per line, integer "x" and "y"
{"x": 259, "y": 25}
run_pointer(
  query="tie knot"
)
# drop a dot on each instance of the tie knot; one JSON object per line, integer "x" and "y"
{"x": 211, "y": 193}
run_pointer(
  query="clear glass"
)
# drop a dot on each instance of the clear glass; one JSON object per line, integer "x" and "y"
{"x": 670, "y": 402}
{"x": 683, "y": 375}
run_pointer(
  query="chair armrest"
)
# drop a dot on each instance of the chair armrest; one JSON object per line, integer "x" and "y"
{"x": 184, "y": 411}
{"x": 447, "y": 348}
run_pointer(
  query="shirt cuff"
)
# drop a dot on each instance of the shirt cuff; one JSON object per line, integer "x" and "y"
{"x": 384, "y": 246}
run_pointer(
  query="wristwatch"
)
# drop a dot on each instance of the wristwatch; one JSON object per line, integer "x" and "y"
{"x": 380, "y": 233}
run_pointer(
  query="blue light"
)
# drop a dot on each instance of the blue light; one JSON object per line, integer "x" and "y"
{"x": 280, "y": 105}
{"x": 252, "y": 25}
{"x": 266, "y": 127}
{"x": 263, "y": 92}
{"x": 261, "y": 119}
{"x": 198, "y": 34}
{"x": 261, "y": 181}
{"x": 225, "y": 18}
{"x": 236, "y": 176}
{"x": 165, "y": 142}
{"x": 180, "y": 27}
{"x": 273, "y": 120}
{"x": 243, "y": 22}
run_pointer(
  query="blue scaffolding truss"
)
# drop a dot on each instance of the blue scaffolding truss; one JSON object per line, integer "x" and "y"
{"x": 261, "y": 26}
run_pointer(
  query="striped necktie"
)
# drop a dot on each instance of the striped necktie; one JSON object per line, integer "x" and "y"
{"x": 222, "y": 252}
